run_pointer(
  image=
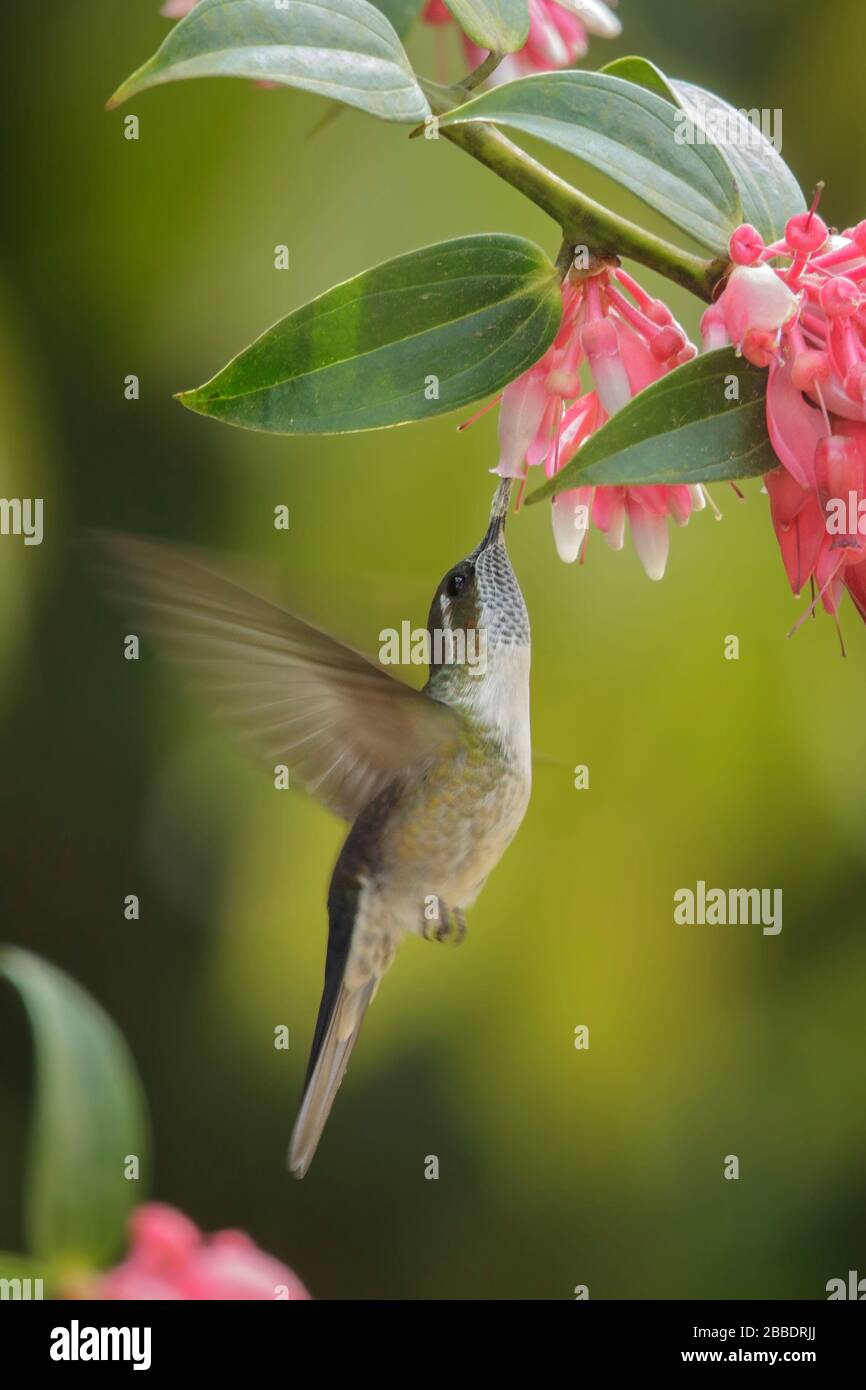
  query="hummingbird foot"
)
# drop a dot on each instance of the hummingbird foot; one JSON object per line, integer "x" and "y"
{"x": 449, "y": 925}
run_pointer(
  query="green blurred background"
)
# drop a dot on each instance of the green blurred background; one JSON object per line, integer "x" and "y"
{"x": 558, "y": 1167}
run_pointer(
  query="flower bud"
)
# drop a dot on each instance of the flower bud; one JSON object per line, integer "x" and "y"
{"x": 806, "y": 233}
{"x": 839, "y": 297}
{"x": 746, "y": 245}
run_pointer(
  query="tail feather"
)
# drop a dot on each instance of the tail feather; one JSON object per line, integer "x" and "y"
{"x": 336, "y": 1034}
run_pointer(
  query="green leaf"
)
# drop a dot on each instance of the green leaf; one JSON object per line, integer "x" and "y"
{"x": 626, "y": 132}
{"x": 643, "y": 73}
{"x": 89, "y": 1115}
{"x": 768, "y": 190}
{"x": 682, "y": 429}
{"x": 472, "y": 313}
{"x": 500, "y": 25}
{"x": 401, "y": 13}
{"x": 344, "y": 49}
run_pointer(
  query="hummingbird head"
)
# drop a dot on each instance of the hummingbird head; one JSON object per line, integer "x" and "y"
{"x": 479, "y": 599}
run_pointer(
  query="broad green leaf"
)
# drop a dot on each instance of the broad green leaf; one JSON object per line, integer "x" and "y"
{"x": 768, "y": 190}
{"x": 643, "y": 73}
{"x": 89, "y": 1115}
{"x": 626, "y": 132}
{"x": 401, "y": 13}
{"x": 500, "y": 25}
{"x": 682, "y": 429}
{"x": 344, "y": 49}
{"x": 417, "y": 336}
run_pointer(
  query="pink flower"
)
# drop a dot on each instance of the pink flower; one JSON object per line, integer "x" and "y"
{"x": 558, "y": 35}
{"x": 624, "y": 340}
{"x": 752, "y": 311}
{"x": 169, "y": 1258}
{"x": 798, "y": 308}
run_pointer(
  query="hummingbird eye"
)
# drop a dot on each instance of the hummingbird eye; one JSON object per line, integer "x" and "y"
{"x": 456, "y": 583}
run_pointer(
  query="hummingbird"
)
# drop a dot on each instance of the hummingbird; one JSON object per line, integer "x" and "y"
{"x": 433, "y": 782}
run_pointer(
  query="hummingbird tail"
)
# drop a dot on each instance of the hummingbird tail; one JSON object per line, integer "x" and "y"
{"x": 336, "y": 1034}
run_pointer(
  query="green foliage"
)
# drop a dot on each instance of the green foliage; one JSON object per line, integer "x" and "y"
{"x": 89, "y": 1116}
{"x": 768, "y": 190}
{"x": 345, "y": 49}
{"x": 425, "y": 333}
{"x": 628, "y": 133}
{"x": 401, "y": 13}
{"x": 682, "y": 429}
{"x": 500, "y": 25}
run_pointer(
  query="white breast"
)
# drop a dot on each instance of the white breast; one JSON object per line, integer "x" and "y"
{"x": 499, "y": 700}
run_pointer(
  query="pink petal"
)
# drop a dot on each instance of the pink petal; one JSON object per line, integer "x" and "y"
{"x": 570, "y": 517}
{"x": 169, "y": 1258}
{"x": 714, "y": 330}
{"x": 161, "y": 1237}
{"x": 855, "y": 582}
{"x": 680, "y": 503}
{"x": 596, "y": 16}
{"x": 126, "y": 1284}
{"x": 755, "y": 298}
{"x": 698, "y": 497}
{"x": 608, "y": 513}
{"x": 650, "y": 535}
{"x": 799, "y": 524}
{"x": 520, "y": 414}
{"x": 838, "y": 402}
{"x": 795, "y": 426}
{"x": 653, "y": 498}
{"x": 642, "y": 368}
{"x": 229, "y": 1271}
{"x": 436, "y": 12}
{"x": 600, "y": 342}
{"x": 580, "y": 420}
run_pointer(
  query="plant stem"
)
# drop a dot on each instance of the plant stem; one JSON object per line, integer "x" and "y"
{"x": 482, "y": 72}
{"x": 583, "y": 221}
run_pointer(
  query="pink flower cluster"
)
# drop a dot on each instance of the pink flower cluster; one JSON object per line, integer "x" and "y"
{"x": 169, "y": 1258}
{"x": 625, "y": 339}
{"x": 804, "y": 317}
{"x": 558, "y": 35}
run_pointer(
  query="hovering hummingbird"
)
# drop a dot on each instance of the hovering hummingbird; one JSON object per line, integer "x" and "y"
{"x": 435, "y": 783}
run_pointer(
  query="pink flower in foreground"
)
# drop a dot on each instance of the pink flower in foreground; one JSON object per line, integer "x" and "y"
{"x": 558, "y": 35}
{"x": 169, "y": 1258}
{"x": 805, "y": 320}
{"x": 625, "y": 340}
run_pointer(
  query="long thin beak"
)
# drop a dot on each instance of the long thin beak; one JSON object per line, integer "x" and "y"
{"x": 498, "y": 514}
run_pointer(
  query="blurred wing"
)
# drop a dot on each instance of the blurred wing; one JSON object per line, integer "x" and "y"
{"x": 343, "y": 726}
